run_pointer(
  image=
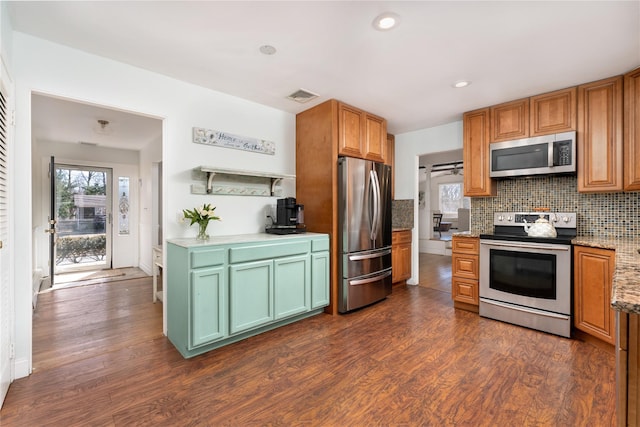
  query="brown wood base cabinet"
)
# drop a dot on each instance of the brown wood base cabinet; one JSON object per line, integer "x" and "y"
{"x": 465, "y": 272}
{"x": 401, "y": 256}
{"x": 593, "y": 277}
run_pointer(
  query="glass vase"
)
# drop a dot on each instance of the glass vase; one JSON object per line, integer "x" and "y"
{"x": 202, "y": 231}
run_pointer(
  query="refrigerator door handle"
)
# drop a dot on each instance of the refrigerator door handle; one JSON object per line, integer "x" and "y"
{"x": 369, "y": 256}
{"x": 373, "y": 178}
{"x": 369, "y": 279}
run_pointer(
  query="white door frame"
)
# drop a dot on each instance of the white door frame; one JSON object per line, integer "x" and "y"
{"x": 7, "y": 301}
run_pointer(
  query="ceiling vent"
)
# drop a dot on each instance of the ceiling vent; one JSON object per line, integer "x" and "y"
{"x": 302, "y": 96}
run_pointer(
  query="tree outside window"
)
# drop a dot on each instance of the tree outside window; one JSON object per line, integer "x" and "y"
{"x": 451, "y": 198}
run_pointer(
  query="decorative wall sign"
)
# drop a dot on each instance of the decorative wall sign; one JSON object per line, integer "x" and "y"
{"x": 228, "y": 140}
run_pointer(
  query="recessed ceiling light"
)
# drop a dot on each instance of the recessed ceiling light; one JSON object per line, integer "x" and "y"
{"x": 386, "y": 21}
{"x": 267, "y": 49}
{"x": 461, "y": 83}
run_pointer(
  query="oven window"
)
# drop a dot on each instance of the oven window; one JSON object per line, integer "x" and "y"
{"x": 523, "y": 273}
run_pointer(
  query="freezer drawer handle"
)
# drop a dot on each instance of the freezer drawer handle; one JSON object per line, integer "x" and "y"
{"x": 369, "y": 279}
{"x": 369, "y": 256}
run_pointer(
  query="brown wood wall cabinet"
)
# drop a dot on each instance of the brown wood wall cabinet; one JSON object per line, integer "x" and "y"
{"x": 600, "y": 144}
{"x": 323, "y": 133}
{"x": 510, "y": 120}
{"x": 465, "y": 272}
{"x": 401, "y": 256}
{"x": 538, "y": 115}
{"x": 632, "y": 131}
{"x": 391, "y": 160}
{"x": 608, "y": 153}
{"x": 553, "y": 112}
{"x": 593, "y": 279}
{"x": 362, "y": 135}
{"x": 475, "y": 154}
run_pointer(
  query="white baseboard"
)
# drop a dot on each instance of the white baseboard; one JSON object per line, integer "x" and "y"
{"x": 36, "y": 280}
{"x": 21, "y": 369}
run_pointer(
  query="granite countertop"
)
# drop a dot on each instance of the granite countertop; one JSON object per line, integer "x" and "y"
{"x": 625, "y": 294}
{"x": 402, "y": 228}
{"x": 465, "y": 234}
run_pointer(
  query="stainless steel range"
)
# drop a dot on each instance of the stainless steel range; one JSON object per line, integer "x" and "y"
{"x": 527, "y": 280}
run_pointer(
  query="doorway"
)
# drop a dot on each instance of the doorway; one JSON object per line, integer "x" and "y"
{"x": 104, "y": 163}
{"x": 442, "y": 209}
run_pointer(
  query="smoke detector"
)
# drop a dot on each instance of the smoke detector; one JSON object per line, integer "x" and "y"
{"x": 302, "y": 96}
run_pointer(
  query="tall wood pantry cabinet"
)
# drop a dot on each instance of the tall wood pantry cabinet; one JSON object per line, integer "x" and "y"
{"x": 600, "y": 143}
{"x": 323, "y": 133}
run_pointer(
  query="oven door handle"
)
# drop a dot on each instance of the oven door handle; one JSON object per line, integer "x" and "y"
{"x": 560, "y": 248}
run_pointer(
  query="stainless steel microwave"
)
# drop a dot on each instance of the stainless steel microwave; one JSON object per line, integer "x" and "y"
{"x": 541, "y": 155}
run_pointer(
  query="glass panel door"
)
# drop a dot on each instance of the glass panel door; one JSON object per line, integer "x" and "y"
{"x": 83, "y": 218}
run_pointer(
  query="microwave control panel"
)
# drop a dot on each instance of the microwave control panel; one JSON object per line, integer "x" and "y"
{"x": 562, "y": 153}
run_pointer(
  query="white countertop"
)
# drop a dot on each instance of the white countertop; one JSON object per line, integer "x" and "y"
{"x": 239, "y": 238}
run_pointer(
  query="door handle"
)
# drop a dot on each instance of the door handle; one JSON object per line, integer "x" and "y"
{"x": 376, "y": 204}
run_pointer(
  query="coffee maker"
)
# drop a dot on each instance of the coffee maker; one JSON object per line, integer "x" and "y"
{"x": 289, "y": 217}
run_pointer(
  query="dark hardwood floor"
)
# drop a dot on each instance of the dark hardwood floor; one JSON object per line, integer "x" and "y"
{"x": 101, "y": 360}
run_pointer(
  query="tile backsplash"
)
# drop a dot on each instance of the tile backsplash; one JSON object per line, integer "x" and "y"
{"x": 601, "y": 215}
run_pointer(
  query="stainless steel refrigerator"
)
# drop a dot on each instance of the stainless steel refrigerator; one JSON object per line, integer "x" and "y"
{"x": 364, "y": 204}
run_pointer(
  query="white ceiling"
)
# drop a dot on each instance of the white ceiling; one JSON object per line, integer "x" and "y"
{"x": 61, "y": 120}
{"x": 508, "y": 50}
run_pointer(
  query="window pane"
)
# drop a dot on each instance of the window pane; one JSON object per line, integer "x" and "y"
{"x": 450, "y": 198}
{"x": 123, "y": 205}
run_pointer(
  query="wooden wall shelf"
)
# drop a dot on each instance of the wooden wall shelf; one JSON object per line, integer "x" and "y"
{"x": 235, "y": 182}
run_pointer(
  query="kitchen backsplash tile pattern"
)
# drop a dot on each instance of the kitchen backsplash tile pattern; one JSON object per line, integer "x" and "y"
{"x": 600, "y": 215}
{"x": 402, "y": 213}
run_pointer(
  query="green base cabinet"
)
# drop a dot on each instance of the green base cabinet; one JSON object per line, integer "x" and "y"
{"x": 231, "y": 288}
{"x": 251, "y": 295}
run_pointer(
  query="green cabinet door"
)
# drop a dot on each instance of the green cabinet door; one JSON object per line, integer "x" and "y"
{"x": 319, "y": 279}
{"x": 292, "y": 286}
{"x": 250, "y": 295}
{"x": 207, "y": 306}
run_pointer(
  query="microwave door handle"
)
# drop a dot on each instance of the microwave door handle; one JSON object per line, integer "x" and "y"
{"x": 550, "y": 161}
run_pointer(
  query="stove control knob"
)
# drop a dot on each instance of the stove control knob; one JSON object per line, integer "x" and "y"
{"x": 500, "y": 218}
{"x": 509, "y": 218}
{"x": 566, "y": 219}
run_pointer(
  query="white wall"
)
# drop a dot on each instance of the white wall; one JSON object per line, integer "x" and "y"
{"x": 53, "y": 69}
{"x": 409, "y": 147}
{"x": 150, "y": 156}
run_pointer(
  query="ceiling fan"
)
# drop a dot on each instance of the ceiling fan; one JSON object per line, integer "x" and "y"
{"x": 453, "y": 168}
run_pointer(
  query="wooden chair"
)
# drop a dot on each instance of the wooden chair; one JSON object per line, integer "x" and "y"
{"x": 437, "y": 219}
